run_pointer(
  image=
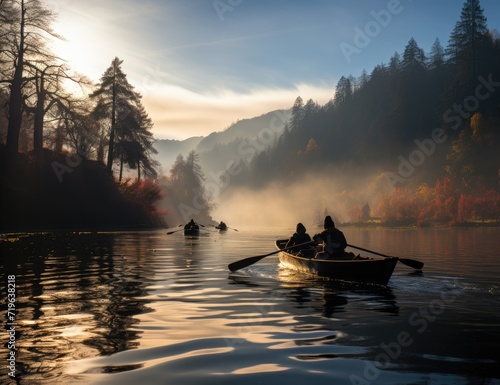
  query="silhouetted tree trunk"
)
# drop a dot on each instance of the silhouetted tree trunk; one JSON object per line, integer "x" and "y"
{"x": 16, "y": 97}
{"x": 121, "y": 167}
{"x": 38, "y": 125}
{"x": 112, "y": 133}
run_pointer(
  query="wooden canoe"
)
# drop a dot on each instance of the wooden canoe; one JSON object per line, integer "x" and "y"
{"x": 190, "y": 231}
{"x": 351, "y": 268}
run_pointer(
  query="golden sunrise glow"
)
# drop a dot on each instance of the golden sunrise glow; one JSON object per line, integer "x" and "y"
{"x": 79, "y": 47}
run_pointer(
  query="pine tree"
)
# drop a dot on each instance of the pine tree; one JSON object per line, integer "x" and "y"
{"x": 115, "y": 94}
{"x": 343, "y": 92}
{"x": 185, "y": 189}
{"x": 395, "y": 64}
{"x": 130, "y": 136}
{"x": 134, "y": 142}
{"x": 297, "y": 114}
{"x": 413, "y": 58}
{"x": 436, "y": 55}
{"x": 467, "y": 43}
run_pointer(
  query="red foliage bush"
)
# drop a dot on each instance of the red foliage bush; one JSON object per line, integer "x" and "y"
{"x": 442, "y": 204}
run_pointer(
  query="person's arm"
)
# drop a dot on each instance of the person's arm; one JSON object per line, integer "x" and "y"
{"x": 291, "y": 241}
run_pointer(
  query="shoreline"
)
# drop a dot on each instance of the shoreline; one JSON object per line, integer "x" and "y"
{"x": 424, "y": 226}
{"x": 125, "y": 229}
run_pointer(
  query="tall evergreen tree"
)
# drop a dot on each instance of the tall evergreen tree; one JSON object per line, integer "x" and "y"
{"x": 413, "y": 58}
{"x": 343, "y": 92}
{"x": 130, "y": 135}
{"x": 185, "y": 190}
{"x": 395, "y": 64}
{"x": 436, "y": 55}
{"x": 297, "y": 114}
{"x": 134, "y": 142}
{"x": 467, "y": 43}
{"x": 116, "y": 94}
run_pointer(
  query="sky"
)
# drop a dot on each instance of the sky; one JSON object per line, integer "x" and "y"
{"x": 203, "y": 64}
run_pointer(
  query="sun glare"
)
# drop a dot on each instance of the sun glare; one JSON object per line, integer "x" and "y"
{"x": 79, "y": 48}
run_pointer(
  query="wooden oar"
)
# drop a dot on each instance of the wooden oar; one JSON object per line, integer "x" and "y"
{"x": 227, "y": 227}
{"x": 405, "y": 261}
{"x": 175, "y": 231}
{"x": 251, "y": 260}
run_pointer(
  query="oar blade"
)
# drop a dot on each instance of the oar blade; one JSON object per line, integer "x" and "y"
{"x": 405, "y": 261}
{"x": 412, "y": 263}
{"x": 175, "y": 231}
{"x": 244, "y": 263}
{"x": 251, "y": 260}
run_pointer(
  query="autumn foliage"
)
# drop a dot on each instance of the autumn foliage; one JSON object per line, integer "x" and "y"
{"x": 441, "y": 204}
{"x": 145, "y": 193}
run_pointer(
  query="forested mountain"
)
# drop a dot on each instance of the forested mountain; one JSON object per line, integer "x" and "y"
{"x": 218, "y": 148}
{"x": 419, "y": 120}
{"x": 169, "y": 149}
{"x": 245, "y": 128}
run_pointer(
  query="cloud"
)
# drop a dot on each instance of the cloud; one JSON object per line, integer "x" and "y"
{"x": 179, "y": 113}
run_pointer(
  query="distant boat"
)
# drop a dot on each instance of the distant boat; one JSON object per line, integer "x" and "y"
{"x": 221, "y": 227}
{"x": 192, "y": 230}
{"x": 357, "y": 269}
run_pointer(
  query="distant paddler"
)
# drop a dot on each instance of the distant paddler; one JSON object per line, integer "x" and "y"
{"x": 221, "y": 226}
{"x": 191, "y": 228}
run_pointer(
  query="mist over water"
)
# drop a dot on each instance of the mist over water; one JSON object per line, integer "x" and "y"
{"x": 285, "y": 203}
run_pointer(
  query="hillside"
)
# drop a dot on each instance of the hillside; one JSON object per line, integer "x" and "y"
{"x": 245, "y": 128}
{"x": 168, "y": 149}
{"x": 53, "y": 194}
{"x": 247, "y": 135}
{"x": 417, "y": 139}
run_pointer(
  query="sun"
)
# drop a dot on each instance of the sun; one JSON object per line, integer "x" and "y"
{"x": 81, "y": 48}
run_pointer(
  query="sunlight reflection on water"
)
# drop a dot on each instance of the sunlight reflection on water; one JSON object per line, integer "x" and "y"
{"x": 151, "y": 309}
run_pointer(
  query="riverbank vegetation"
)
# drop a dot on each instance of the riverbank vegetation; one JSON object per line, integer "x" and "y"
{"x": 59, "y": 149}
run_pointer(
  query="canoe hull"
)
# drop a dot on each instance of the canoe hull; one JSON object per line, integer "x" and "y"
{"x": 191, "y": 232}
{"x": 365, "y": 270}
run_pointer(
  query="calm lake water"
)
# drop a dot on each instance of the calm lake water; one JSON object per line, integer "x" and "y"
{"x": 150, "y": 308}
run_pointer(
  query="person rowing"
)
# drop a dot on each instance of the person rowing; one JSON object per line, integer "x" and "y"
{"x": 332, "y": 241}
{"x": 191, "y": 225}
{"x": 297, "y": 240}
{"x": 221, "y": 226}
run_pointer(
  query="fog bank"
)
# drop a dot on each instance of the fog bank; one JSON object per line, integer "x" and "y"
{"x": 284, "y": 204}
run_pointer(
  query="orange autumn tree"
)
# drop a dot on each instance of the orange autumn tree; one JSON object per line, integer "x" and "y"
{"x": 398, "y": 207}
